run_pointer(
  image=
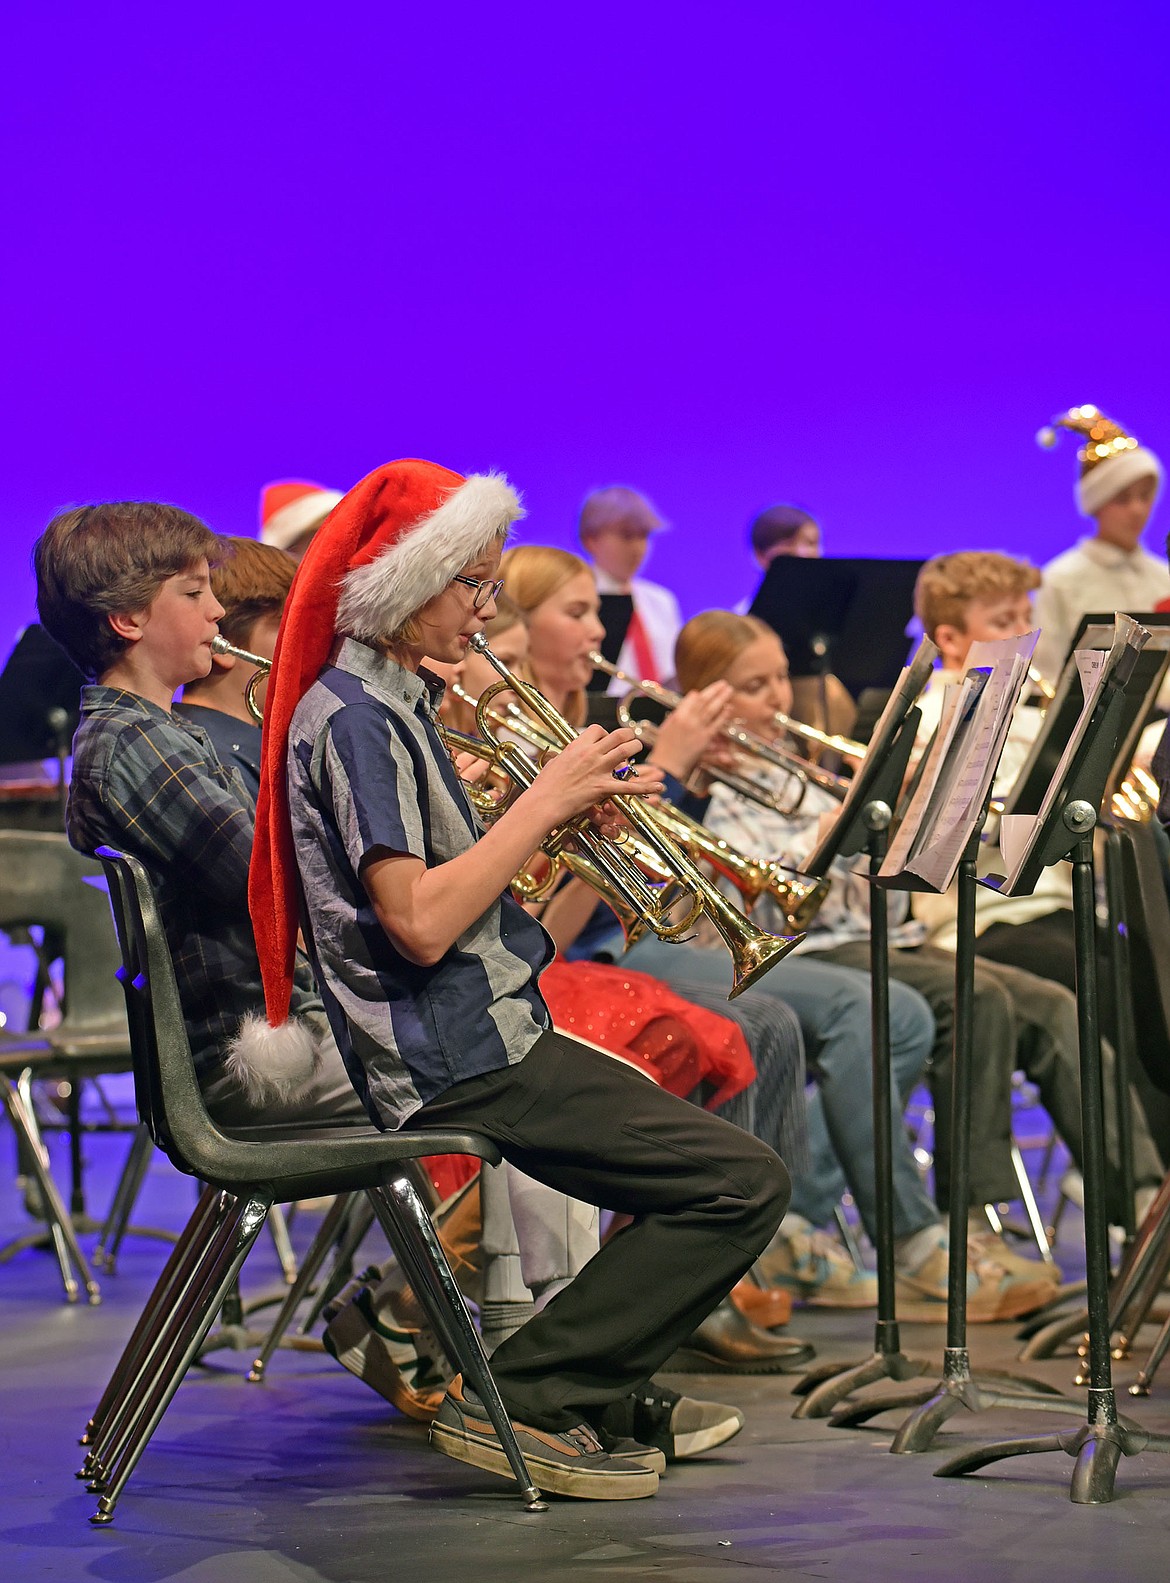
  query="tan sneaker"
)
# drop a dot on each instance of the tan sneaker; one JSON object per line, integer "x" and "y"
{"x": 989, "y": 1245}
{"x": 817, "y": 1271}
{"x": 573, "y": 1463}
{"x": 999, "y": 1294}
{"x": 993, "y": 1292}
{"x": 406, "y": 1367}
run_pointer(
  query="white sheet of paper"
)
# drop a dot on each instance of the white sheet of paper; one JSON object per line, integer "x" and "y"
{"x": 956, "y": 779}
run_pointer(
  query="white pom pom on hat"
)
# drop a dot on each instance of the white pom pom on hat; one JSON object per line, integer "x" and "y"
{"x": 1111, "y": 459}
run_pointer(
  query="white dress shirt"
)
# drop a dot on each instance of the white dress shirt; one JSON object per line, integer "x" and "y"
{"x": 661, "y": 619}
{"x": 1092, "y": 576}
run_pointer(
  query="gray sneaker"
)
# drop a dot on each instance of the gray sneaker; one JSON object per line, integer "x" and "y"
{"x": 572, "y": 1463}
{"x": 680, "y": 1426}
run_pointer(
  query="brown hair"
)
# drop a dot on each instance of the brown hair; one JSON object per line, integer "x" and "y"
{"x": 533, "y": 573}
{"x": 95, "y": 561}
{"x": 777, "y": 525}
{"x": 250, "y": 582}
{"x": 947, "y": 585}
{"x": 710, "y": 643}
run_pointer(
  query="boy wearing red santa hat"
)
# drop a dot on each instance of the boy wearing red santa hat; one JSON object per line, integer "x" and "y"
{"x": 429, "y": 968}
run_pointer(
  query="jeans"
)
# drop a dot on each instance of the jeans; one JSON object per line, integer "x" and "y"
{"x": 832, "y": 1005}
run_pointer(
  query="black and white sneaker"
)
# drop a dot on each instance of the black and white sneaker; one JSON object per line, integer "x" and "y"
{"x": 680, "y": 1426}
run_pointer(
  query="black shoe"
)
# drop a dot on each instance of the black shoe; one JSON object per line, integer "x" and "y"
{"x": 678, "y": 1425}
{"x": 572, "y": 1463}
{"x": 626, "y": 1449}
{"x": 727, "y": 1343}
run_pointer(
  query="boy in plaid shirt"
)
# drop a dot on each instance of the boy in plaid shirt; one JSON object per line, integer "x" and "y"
{"x": 125, "y": 589}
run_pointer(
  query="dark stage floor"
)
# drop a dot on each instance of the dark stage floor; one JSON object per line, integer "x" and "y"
{"x": 310, "y": 1477}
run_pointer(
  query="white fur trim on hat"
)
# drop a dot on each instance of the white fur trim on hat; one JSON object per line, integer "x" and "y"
{"x": 273, "y": 1065}
{"x": 376, "y": 599}
{"x": 285, "y": 526}
{"x": 1104, "y": 480}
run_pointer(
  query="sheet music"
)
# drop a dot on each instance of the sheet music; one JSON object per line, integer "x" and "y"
{"x": 961, "y": 764}
{"x": 837, "y": 823}
{"x": 1094, "y": 666}
{"x": 907, "y": 832}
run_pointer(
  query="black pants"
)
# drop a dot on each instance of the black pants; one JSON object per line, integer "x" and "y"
{"x": 1020, "y": 1021}
{"x": 706, "y": 1199}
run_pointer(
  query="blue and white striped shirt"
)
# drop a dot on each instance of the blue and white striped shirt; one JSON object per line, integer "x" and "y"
{"x": 369, "y": 776}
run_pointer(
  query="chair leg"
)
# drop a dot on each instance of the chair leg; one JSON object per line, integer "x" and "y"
{"x": 125, "y": 1197}
{"x": 141, "y": 1351}
{"x": 358, "y": 1223}
{"x": 329, "y": 1232}
{"x": 1031, "y": 1207}
{"x": 411, "y": 1234}
{"x": 278, "y": 1226}
{"x": 848, "y": 1237}
{"x": 64, "y": 1238}
{"x": 233, "y": 1239}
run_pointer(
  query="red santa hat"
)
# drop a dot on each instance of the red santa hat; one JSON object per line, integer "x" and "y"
{"x": 1110, "y": 458}
{"x": 394, "y": 542}
{"x": 291, "y": 508}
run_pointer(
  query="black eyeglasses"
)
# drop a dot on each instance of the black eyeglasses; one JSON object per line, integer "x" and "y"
{"x": 488, "y": 589}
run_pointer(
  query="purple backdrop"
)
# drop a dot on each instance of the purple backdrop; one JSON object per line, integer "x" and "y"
{"x": 727, "y": 254}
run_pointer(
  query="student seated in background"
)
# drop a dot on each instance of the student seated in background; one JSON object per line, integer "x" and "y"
{"x": 251, "y": 582}
{"x": 977, "y": 596}
{"x": 291, "y": 511}
{"x": 783, "y": 530}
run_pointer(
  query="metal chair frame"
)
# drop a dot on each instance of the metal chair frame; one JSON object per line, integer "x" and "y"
{"x": 247, "y": 1170}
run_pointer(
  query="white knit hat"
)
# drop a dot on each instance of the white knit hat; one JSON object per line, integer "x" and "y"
{"x": 1110, "y": 459}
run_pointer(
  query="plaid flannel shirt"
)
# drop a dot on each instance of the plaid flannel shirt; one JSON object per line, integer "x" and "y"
{"x": 149, "y": 783}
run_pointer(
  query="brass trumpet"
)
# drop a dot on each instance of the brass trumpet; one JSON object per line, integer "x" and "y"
{"x": 752, "y": 744}
{"x": 220, "y": 645}
{"x": 537, "y": 887}
{"x": 1045, "y": 688}
{"x": 1137, "y": 797}
{"x": 798, "y": 899}
{"x": 753, "y": 951}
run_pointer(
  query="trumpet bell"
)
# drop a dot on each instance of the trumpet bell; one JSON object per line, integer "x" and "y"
{"x": 755, "y": 955}
{"x": 799, "y": 900}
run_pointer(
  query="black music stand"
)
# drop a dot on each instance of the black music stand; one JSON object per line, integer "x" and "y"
{"x": 841, "y": 615}
{"x": 1060, "y": 716}
{"x": 863, "y": 824}
{"x": 1057, "y": 1324}
{"x": 615, "y": 612}
{"x": 933, "y": 1404}
{"x": 1065, "y": 831}
{"x": 40, "y": 701}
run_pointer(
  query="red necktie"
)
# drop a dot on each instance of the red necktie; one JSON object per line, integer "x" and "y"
{"x": 639, "y": 640}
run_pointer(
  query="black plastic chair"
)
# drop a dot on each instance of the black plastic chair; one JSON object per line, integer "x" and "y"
{"x": 42, "y": 884}
{"x": 248, "y": 1169}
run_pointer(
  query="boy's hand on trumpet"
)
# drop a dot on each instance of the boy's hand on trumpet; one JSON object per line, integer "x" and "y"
{"x": 585, "y": 774}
